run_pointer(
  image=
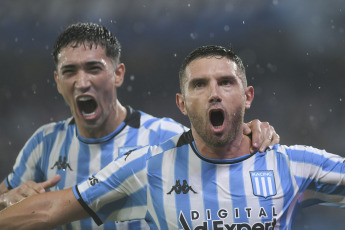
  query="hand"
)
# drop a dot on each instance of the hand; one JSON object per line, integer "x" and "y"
{"x": 25, "y": 190}
{"x": 263, "y": 135}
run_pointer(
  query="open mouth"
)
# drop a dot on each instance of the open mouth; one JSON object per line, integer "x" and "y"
{"x": 87, "y": 105}
{"x": 217, "y": 118}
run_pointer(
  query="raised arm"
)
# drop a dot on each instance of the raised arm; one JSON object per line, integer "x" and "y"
{"x": 43, "y": 211}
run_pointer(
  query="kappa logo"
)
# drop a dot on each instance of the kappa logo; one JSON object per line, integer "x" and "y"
{"x": 178, "y": 188}
{"x": 93, "y": 180}
{"x": 62, "y": 164}
{"x": 263, "y": 183}
{"x": 127, "y": 153}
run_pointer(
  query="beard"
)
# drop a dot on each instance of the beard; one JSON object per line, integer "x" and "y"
{"x": 201, "y": 124}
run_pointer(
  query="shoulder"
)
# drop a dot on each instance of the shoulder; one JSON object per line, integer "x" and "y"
{"x": 164, "y": 123}
{"x": 54, "y": 128}
{"x": 303, "y": 153}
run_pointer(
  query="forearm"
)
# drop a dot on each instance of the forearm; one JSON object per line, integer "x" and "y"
{"x": 43, "y": 211}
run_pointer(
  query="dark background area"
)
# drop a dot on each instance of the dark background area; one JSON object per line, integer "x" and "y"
{"x": 294, "y": 52}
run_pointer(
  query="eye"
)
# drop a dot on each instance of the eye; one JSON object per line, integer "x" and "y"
{"x": 225, "y": 82}
{"x": 94, "y": 69}
{"x": 198, "y": 84}
{"x": 68, "y": 72}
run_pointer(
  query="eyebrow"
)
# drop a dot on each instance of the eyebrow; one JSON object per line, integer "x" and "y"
{"x": 90, "y": 63}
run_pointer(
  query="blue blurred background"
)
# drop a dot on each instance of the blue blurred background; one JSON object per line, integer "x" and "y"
{"x": 294, "y": 52}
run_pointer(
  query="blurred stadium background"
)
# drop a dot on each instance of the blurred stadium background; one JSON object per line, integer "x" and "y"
{"x": 294, "y": 52}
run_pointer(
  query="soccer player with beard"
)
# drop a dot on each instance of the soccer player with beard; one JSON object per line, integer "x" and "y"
{"x": 88, "y": 72}
{"x": 205, "y": 178}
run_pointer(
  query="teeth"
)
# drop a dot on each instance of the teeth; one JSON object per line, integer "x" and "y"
{"x": 87, "y": 114}
{"x": 84, "y": 98}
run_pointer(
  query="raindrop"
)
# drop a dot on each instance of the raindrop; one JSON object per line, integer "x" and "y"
{"x": 226, "y": 28}
{"x": 188, "y": 4}
{"x": 34, "y": 88}
{"x": 319, "y": 87}
{"x": 51, "y": 119}
{"x": 330, "y": 110}
{"x": 243, "y": 22}
{"x": 129, "y": 88}
{"x": 340, "y": 99}
{"x": 16, "y": 39}
{"x": 175, "y": 54}
{"x": 275, "y": 2}
{"x": 211, "y": 35}
{"x": 149, "y": 93}
{"x": 194, "y": 36}
{"x": 132, "y": 77}
{"x": 100, "y": 20}
{"x": 310, "y": 105}
{"x": 9, "y": 143}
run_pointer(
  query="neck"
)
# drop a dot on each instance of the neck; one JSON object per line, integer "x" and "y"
{"x": 234, "y": 149}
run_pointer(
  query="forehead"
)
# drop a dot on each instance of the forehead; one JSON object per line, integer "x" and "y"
{"x": 211, "y": 67}
{"x": 81, "y": 54}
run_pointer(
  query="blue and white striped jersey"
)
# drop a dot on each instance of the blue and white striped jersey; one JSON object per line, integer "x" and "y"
{"x": 57, "y": 148}
{"x": 172, "y": 186}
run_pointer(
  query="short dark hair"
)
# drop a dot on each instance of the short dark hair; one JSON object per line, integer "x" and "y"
{"x": 93, "y": 34}
{"x": 211, "y": 51}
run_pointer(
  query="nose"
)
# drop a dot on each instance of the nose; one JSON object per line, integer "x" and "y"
{"x": 214, "y": 93}
{"x": 82, "y": 81}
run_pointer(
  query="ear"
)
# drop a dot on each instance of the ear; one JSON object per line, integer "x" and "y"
{"x": 119, "y": 74}
{"x": 56, "y": 78}
{"x": 249, "y": 96}
{"x": 181, "y": 103}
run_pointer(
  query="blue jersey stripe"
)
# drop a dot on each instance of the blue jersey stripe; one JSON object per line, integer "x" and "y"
{"x": 209, "y": 184}
{"x": 182, "y": 176}
{"x": 63, "y": 155}
{"x": 237, "y": 189}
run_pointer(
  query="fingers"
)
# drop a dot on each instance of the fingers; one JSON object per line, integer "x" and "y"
{"x": 49, "y": 183}
{"x": 263, "y": 135}
{"x": 256, "y": 131}
{"x": 271, "y": 138}
{"x": 246, "y": 129}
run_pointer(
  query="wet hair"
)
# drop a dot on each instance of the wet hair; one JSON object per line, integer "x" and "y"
{"x": 211, "y": 51}
{"x": 88, "y": 34}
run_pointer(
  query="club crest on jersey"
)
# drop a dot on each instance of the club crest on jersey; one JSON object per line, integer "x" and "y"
{"x": 263, "y": 183}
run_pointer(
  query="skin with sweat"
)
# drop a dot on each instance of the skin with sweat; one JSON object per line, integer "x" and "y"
{"x": 88, "y": 74}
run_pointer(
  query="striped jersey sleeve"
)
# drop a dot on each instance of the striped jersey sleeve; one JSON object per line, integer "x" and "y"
{"x": 119, "y": 191}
